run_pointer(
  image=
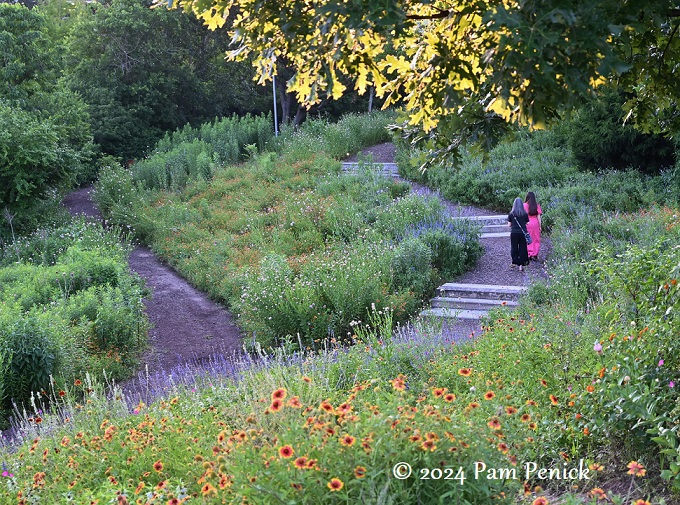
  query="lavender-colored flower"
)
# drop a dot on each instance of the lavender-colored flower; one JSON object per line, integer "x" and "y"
{"x": 597, "y": 348}
{"x": 671, "y": 384}
{"x": 661, "y": 362}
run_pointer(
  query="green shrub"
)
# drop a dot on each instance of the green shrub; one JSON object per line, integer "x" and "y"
{"x": 70, "y": 306}
{"x": 33, "y": 359}
{"x": 412, "y": 267}
{"x": 599, "y": 138}
{"x": 347, "y": 136}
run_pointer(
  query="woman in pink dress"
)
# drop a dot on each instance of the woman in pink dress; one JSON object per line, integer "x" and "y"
{"x": 534, "y": 226}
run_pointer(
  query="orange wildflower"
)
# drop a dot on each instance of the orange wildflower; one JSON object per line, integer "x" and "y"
{"x": 543, "y": 382}
{"x": 494, "y": 424}
{"x": 489, "y": 395}
{"x": 286, "y": 451}
{"x": 641, "y": 502}
{"x": 503, "y": 447}
{"x": 158, "y": 466}
{"x": 275, "y": 406}
{"x": 532, "y": 403}
{"x": 465, "y": 372}
{"x": 300, "y": 462}
{"x": 636, "y": 469}
{"x": 347, "y": 440}
{"x": 335, "y": 484}
{"x": 473, "y": 405}
{"x": 208, "y": 489}
{"x": 554, "y": 400}
{"x": 510, "y": 410}
{"x": 398, "y": 384}
{"x": 590, "y": 388}
{"x": 438, "y": 392}
{"x": 525, "y": 418}
{"x": 306, "y": 379}
{"x": 541, "y": 500}
{"x": 598, "y": 493}
{"x": 360, "y": 472}
{"x": 449, "y": 397}
{"x": 279, "y": 394}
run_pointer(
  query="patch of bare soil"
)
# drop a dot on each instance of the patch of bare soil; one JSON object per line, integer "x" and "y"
{"x": 186, "y": 324}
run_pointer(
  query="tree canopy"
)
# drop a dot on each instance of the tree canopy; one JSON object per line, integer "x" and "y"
{"x": 520, "y": 61}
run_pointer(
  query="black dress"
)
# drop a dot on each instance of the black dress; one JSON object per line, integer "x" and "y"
{"x": 518, "y": 244}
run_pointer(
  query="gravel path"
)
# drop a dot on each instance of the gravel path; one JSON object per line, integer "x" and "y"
{"x": 186, "y": 324}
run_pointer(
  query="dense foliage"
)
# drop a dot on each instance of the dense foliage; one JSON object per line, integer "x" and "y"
{"x": 145, "y": 72}
{"x": 295, "y": 248}
{"x": 69, "y": 306}
{"x": 523, "y": 62}
{"x": 599, "y": 138}
{"x": 46, "y": 141}
{"x": 542, "y": 162}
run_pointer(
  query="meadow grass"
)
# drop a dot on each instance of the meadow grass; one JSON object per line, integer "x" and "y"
{"x": 582, "y": 376}
{"x": 290, "y": 243}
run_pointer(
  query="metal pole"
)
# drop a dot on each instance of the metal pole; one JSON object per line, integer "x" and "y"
{"x": 276, "y": 121}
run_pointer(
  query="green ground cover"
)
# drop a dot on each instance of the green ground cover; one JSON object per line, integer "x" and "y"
{"x": 70, "y": 306}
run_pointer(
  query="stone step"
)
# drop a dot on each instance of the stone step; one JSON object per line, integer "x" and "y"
{"x": 499, "y": 234}
{"x": 468, "y": 315}
{"x": 495, "y": 228}
{"x": 387, "y": 169}
{"x": 498, "y": 219}
{"x": 469, "y": 303}
{"x": 488, "y": 291}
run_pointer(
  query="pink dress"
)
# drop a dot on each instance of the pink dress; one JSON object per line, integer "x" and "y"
{"x": 534, "y": 229}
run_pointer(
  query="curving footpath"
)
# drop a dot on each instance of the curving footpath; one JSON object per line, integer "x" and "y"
{"x": 186, "y": 324}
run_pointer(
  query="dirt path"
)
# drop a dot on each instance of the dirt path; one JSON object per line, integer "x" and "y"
{"x": 186, "y": 324}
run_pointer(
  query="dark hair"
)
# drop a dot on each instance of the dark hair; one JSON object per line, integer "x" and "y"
{"x": 533, "y": 206}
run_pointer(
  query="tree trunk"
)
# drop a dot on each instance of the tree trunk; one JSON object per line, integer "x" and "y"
{"x": 300, "y": 116}
{"x": 371, "y": 93}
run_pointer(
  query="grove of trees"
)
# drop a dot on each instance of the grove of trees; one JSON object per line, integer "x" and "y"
{"x": 462, "y": 66}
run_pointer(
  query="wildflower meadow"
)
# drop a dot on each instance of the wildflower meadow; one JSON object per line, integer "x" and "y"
{"x": 343, "y": 397}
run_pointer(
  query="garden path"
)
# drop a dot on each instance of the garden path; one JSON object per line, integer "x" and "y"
{"x": 188, "y": 326}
